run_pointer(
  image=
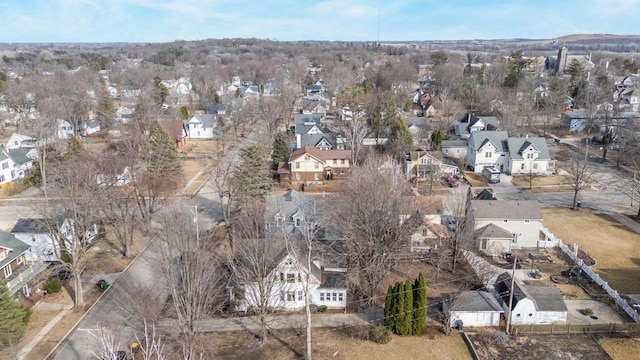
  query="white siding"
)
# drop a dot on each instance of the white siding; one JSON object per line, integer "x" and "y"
{"x": 479, "y": 318}
{"x": 528, "y": 233}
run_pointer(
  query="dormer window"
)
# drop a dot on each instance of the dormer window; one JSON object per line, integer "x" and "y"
{"x": 298, "y": 222}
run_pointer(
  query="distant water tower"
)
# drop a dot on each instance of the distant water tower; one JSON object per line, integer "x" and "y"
{"x": 561, "y": 62}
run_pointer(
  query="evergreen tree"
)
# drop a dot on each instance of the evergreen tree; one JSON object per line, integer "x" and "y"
{"x": 400, "y": 139}
{"x": 419, "y": 306}
{"x": 105, "y": 112}
{"x": 216, "y": 98}
{"x": 184, "y": 113}
{"x": 400, "y": 309}
{"x": 13, "y": 318}
{"x": 160, "y": 92}
{"x": 517, "y": 64}
{"x": 163, "y": 159}
{"x": 393, "y": 312}
{"x": 407, "y": 318}
{"x": 388, "y": 303}
{"x": 281, "y": 149}
{"x": 251, "y": 176}
{"x": 436, "y": 140}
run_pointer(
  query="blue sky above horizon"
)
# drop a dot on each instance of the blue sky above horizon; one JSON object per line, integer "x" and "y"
{"x": 346, "y": 20}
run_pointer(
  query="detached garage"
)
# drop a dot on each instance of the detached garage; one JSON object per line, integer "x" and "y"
{"x": 473, "y": 308}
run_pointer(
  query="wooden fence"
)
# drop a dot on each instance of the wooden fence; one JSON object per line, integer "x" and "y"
{"x": 576, "y": 328}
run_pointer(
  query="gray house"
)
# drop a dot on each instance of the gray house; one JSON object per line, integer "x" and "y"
{"x": 519, "y": 218}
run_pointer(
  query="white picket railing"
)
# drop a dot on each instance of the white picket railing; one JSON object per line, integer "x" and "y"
{"x": 573, "y": 254}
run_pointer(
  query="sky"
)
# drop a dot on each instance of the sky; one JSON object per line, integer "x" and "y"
{"x": 289, "y": 20}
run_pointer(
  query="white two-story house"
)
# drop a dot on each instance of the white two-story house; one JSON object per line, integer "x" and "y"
{"x": 529, "y": 155}
{"x": 487, "y": 149}
{"x": 502, "y": 225}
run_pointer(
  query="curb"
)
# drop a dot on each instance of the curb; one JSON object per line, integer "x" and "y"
{"x": 75, "y": 326}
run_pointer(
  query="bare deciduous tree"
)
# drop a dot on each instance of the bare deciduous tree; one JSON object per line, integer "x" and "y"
{"x": 254, "y": 256}
{"x": 578, "y": 175}
{"x": 369, "y": 214}
{"x": 457, "y": 205}
{"x": 190, "y": 268}
{"x": 74, "y": 212}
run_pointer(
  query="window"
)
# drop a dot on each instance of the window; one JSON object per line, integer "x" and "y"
{"x": 298, "y": 221}
{"x": 517, "y": 315}
{"x": 425, "y": 232}
{"x": 321, "y": 296}
{"x": 300, "y": 295}
{"x": 297, "y": 176}
{"x": 341, "y": 161}
{"x": 291, "y": 296}
{"x": 281, "y": 276}
{"x": 526, "y": 221}
{"x": 335, "y": 161}
{"x": 514, "y": 239}
{"x": 21, "y": 260}
{"x": 291, "y": 278}
{"x": 1, "y": 178}
{"x": 340, "y": 296}
{"x": 488, "y": 154}
{"x": 297, "y": 164}
{"x": 316, "y": 165}
{"x": 13, "y": 174}
{"x": 334, "y": 296}
{"x": 505, "y": 221}
{"x": 341, "y": 171}
{"x": 530, "y": 314}
{"x": 483, "y": 244}
{"x": 7, "y": 271}
{"x": 5, "y": 165}
{"x": 522, "y": 166}
{"x": 426, "y": 161}
{"x": 529, "y": 156}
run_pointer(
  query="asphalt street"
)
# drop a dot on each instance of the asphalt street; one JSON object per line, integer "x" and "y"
{"x": 114, "y": 310}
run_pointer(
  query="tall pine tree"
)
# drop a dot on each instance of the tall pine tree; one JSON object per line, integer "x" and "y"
{"x": 251, "y": 177}
{"x": 407, "y": 317}
{"x": 163, "y": 159}
{"x": 13, "y": 318}
{"x": 281, "y": 149}
{"x": 419, "y": 306}
{"x": 387, "y": 306}
{"x": 400, "y": 309}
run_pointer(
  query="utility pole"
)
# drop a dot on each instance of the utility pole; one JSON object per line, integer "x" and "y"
{"x": 513, "y": 280}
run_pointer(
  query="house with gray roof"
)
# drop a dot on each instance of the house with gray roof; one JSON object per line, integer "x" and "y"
{"x": 472, "y": 308}
{"x": 529, "y": 155}
{"x": 511, "y": 155}
{"x": 456, "y": 149}
{"x": 532, "y": 304}
{"x": 487, "y": 149}
{"x": 521, "y": 219}
{"x": 469, "y": 123}
{"x": 201, "y": 126}
{"x": 290, "y": 211}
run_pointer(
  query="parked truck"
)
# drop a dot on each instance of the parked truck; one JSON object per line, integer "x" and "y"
{"x": 491, "y": 175}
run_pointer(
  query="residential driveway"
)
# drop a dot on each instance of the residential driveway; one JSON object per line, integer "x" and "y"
{"x": 505, "y": 186}
{"x": 605, "y": 314}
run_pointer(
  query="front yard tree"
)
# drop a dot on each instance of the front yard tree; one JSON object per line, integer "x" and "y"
{"x": 281, "y": 149}
{"x": 579, "y": 175}
{"x": 419, "y": 306}
{"x": 164, "y": 160}
{"x": 13, "y": 318}
{"x": 190, "y": 269}
{"x": 516, "y": 69}
{"x": 369, "y": 213}
{"x": 254, "y": 256}
{"x": 436, "y": 140}
{"x": 75, "y": 212}
{"x": 251, "y": 176}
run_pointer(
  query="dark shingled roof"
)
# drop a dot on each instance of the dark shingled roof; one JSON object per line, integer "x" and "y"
{"x": 506, "y": 209}
{"x": 475, "y": 301}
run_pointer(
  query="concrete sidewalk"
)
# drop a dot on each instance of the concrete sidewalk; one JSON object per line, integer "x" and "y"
{"x": 63, "y": 308}
{"x": 624, "y": 220}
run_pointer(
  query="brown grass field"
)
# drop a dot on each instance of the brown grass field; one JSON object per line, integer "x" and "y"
{"x": 339, "y": 344}
{"x": 620, "y": 348}
{"x": 615, "y": 248}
